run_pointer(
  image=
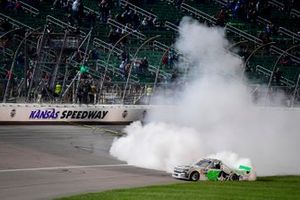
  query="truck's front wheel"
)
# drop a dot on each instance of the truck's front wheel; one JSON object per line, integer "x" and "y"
{"x": 194, "y": 176}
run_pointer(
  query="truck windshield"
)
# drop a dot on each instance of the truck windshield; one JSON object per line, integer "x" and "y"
{"x": 203, "y": 163}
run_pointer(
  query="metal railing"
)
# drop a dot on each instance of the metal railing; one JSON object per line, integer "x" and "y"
{"x": 137, "y": 9}
{"x": 87, "y": 10}
{"x": 295, "y": 13}
{"x": 106, "y": 46}
{"x": 163, "y": 74}
{"x": 100, "y": 43}
{"x": 7, "y": 51}
{"x": 243, "y": 34}
{"x": 263, "y": 21}
{"x": 289, "y": 33}
{"x": 280, "y": 51}
{"x": 62, "y": 24}
{"x": 277, "y": 4}
{"x": 228, "y": 27}
{"x": 221, "y": 2}
{"x": 170, "y": 1}
{"x": 197, "y": 13}
{"x": 28, "y": 8}
{"x": 126, "y": 29}
{"x": 115, "y": 70}
{"x": 171, "y": 26}
{"x": 267, "y": 72}
{"x": 160, "y": 45}
{"x": 14, "y": 22}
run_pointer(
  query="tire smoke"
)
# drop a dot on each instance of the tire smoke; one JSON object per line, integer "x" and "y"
{"x": 214, "y": 116}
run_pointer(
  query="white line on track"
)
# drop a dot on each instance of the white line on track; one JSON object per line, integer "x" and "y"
{"x": 62, "y": 167}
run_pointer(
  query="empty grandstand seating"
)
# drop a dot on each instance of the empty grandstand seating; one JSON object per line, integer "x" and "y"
{"x": 162, "y": 18}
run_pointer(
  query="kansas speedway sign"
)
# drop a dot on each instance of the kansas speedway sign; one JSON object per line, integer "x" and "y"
{"x": 53, "y": 113}
{"x": 70, "y": 113}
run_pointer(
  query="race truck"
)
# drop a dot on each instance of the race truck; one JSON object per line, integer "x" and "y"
{"x": 213, "y": 169}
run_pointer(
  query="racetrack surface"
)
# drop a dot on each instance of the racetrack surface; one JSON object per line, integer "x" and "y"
{"x": 44, "y": 162}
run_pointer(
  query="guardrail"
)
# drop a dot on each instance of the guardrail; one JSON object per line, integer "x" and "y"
{"x": 172, "y": 26}
{"x": 116, "y": 70}
{"x": 170, "y": 1}
{"x": 161, "y": 73}
{"x": 126, "y": 29}
{"x": 160, "y": 45}
{"x": 29, "y": 8}
{"x": 137, "y": 9}
{"x": 7, "y": 51}
{"x": 228, "y": 27}
{"x": 295, "y": 13}
{"x": 34, "y": 44}
{"x": 14, "y": 22}
{"x": 62, "y": 24}
{"x": 100, "y": 43}
{"x": 231, "y": 28}
{"x": 287, "y": 32}
{"x": 106, "y": 46}
{"x": 268, "y": 72}
{"x": 263, "y": 21}
{"x": 28, "y": 41}
{"x": 243, "y": 34}
{"x": 280, "y": 51}
{"x": 87, "y": 10}
{"x": 197, "y": 13}
{"x": 276, "y": 4}
{"x": 221, "y": 2}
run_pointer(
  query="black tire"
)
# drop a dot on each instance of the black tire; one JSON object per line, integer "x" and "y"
{"x": 235, "y": 177}
{"x": 194, "y": 176}
{"x": 223, "y": 176}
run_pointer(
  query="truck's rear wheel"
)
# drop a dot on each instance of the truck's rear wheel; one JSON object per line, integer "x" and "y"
{"x": 235, "y": 177}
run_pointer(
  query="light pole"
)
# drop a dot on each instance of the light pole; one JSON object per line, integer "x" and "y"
{"x": 13, "y": 63}
{"x": 8, "y": 32}
{"x": 37, "y": 62}
{"x": 274, "y": 67}
{"x": 237, "y": 43}
{"x": 252, "y": 53}
{"x": 295, "y": 91}
{"x": 158, "y": 69}
{"x": 108, "y": 59}
{"x": 77, "y": 76}
{"x": 134, "y": 58}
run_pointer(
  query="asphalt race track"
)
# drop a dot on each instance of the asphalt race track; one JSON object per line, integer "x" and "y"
{"x": 44, "y": 162}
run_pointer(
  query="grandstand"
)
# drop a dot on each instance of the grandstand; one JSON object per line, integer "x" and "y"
{"x": 114, "y": 51}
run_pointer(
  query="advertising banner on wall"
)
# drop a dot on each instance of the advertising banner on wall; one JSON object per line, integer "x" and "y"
{"x": 31, "y": 113}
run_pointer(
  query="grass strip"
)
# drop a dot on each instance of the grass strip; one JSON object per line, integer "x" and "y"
{"x": 270, "y": 188}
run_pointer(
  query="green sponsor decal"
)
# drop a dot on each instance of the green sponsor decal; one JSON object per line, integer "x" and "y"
{"x": 213, "y": 174}
{"x": 246, "y": 168}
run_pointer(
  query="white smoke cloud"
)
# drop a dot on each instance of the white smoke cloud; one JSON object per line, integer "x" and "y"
{"x": 150, "y": 145}
{"x": 214, "y": 117}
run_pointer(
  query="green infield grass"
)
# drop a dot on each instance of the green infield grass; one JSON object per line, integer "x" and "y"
{"x": 265, "y": 188}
